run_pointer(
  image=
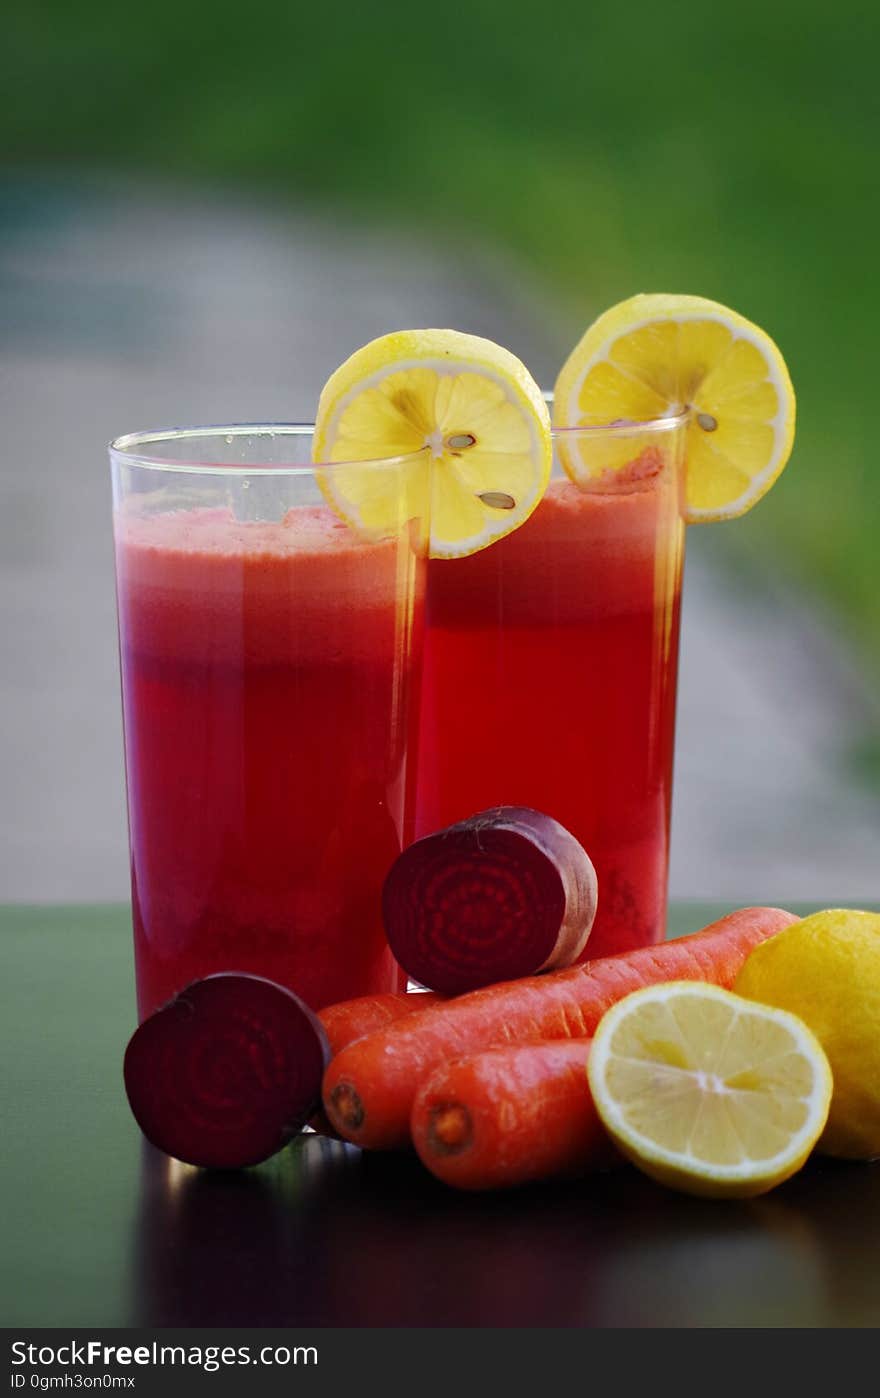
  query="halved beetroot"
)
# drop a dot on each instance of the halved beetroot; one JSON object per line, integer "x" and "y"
{"x": 227, "y": 1072}
{"x": 506, "y": 893}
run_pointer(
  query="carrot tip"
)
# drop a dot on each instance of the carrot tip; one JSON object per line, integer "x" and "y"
{"x": 348, "y": 1109}
{"x": 450, "y": 1129}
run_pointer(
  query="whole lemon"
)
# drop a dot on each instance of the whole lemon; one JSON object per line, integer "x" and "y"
{"x": 826, "y": 970}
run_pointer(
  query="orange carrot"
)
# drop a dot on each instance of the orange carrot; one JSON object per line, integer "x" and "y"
{"x": 370, "y": 1086}
{"x": 510, "y": 1115}
{"x": 351, "y": 1019}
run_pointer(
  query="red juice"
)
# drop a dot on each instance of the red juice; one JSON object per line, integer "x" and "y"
{"x": 268, "y": 674}
{"x": 549, "y": 681}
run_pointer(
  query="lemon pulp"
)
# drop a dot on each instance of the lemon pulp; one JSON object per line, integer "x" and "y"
{"x": 708, "y": 1092}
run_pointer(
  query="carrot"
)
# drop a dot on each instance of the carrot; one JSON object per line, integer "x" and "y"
{"x": 351, "y": 1019}
{"x": 370, "y": 1086}
{"x": 510, "y": 1115}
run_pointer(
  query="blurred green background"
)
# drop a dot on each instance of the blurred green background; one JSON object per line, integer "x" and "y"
{"x": 726, "y": 150}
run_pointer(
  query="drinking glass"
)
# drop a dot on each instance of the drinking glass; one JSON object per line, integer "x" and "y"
{"x": 550, "y": 667}
{"x": 270, "y": 659}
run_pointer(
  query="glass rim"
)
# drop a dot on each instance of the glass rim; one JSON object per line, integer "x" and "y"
{"x": 124, "y": 449}
{"x": 619, "y": 426}
{"x": 625, "y": 427}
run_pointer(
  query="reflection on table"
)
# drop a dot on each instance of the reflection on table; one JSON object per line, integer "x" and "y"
{"x": 326, "y": 1235}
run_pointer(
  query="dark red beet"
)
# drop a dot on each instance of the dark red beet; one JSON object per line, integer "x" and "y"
{"x": 227, "y": 1072}
{"x": 504, "y": 894}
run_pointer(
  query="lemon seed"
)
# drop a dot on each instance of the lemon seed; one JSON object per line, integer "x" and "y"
{"x": 497, "y": 500}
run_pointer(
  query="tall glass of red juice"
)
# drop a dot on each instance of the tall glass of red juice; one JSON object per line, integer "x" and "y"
{"x": 270, "y": 659}
{"x": 550, "y": 668}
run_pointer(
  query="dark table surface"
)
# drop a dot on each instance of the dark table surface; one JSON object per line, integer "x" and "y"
{"x": 100, "y": 1229}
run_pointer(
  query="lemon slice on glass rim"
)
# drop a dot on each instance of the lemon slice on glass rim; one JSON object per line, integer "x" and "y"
{"x": 472, "y": 405}
{"x": 660, "y": 355}
{"x": 707, "y": 1092}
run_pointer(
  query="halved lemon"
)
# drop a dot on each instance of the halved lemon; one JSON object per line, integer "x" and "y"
{"x": 658, "y": 355}
{"x": 472, "y": 404}
{"x": 707, "y": 1092}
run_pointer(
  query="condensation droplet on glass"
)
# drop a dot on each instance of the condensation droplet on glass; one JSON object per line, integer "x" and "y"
{"x": 229, "y": 439}
{"x": 245, "y": 485}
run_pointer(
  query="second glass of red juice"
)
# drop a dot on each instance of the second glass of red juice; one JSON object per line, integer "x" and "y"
{"x": 550, "y": 668}
{"x": 270, "y": 660}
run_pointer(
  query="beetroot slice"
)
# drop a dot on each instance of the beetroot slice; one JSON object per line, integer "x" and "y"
{"x": 227, "y": 1072}
{"x": 507, "y": 893}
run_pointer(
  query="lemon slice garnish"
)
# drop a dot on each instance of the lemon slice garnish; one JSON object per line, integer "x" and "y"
{"x": 472, "y": 404}
{"x": 707, "y": 1092}
{"x": 657, "y": 355}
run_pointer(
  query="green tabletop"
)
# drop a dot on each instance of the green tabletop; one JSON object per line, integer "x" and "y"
{"x": 103, "y": 1230}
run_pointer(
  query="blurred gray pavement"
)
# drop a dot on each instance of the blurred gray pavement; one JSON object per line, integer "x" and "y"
{"x": 125, "y": 307}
